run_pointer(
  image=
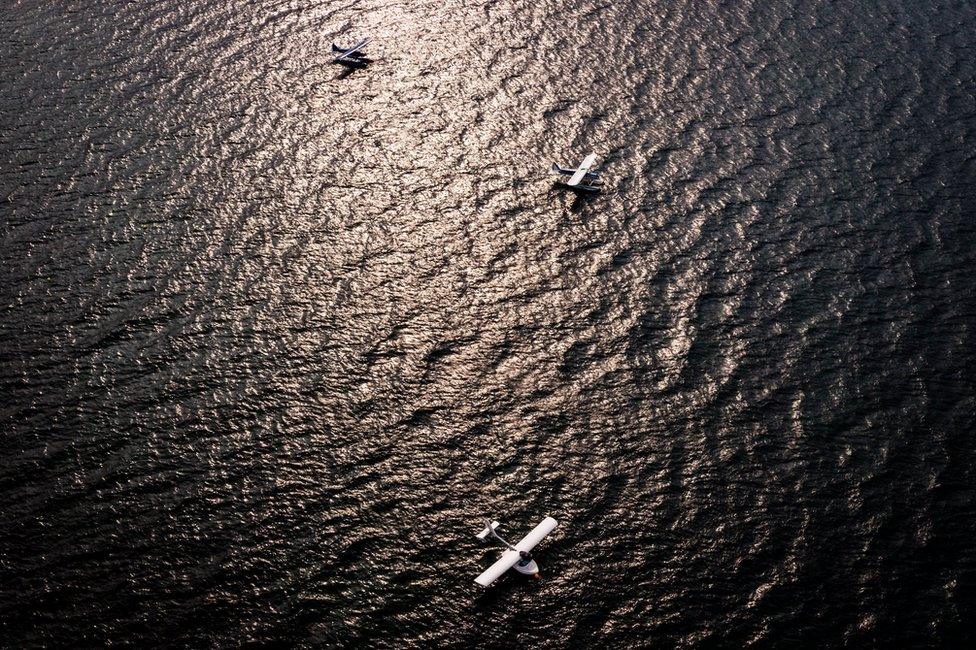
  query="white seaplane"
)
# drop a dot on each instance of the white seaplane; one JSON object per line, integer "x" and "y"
{"x": 351, "y": 56}
{"x": 518, "y": 556}
{"x": 580, "y": 178}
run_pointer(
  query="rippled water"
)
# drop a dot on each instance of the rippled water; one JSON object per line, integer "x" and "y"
{"x": 276, "y": 337}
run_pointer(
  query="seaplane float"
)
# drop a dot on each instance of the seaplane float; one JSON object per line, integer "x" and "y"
{"x": 515, "y": 557}
{"x": 580, "y": 178}
{"x": 351, "y": 56}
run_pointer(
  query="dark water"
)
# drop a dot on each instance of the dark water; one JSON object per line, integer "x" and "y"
{"x": 275, "y": 338}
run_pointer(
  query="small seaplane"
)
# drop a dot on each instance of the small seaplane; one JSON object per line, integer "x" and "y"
{"x": 518, "y": 556}
{"x": 580, "y": 178}
{"x": 353, "y": 56}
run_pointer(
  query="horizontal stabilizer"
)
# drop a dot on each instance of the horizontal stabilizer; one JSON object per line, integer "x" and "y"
{"x": 483, "y": 535}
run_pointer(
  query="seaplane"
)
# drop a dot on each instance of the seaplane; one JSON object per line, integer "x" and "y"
{"x": 580, "y": 178}
{"x": 514, "y": 557}
{"x": 351, "y": 56}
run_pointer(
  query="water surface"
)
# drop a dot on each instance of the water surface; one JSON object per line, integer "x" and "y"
{"x": 275, "y": 337}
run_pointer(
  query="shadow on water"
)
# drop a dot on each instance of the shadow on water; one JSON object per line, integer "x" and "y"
{"x": 580, "y": 197}
{"x": 349, "y": 67}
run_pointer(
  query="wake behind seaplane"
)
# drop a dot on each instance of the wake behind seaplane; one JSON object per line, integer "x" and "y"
{"x": 580, "y": 178}
{"x": 351, "y": 56}
{"x": 518, "y": 556}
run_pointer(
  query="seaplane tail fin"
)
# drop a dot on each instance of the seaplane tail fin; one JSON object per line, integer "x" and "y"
{"x": 336, "y": 48}
{"x": 567, "y": 172}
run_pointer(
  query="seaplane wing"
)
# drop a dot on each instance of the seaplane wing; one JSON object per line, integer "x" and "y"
{"x": 582, "y": 169}
{"x": 351, "y": 53}
{"x": 556, "y": 169}
{"x": 510, "y": 557}
{"x": 503, "y": 564}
